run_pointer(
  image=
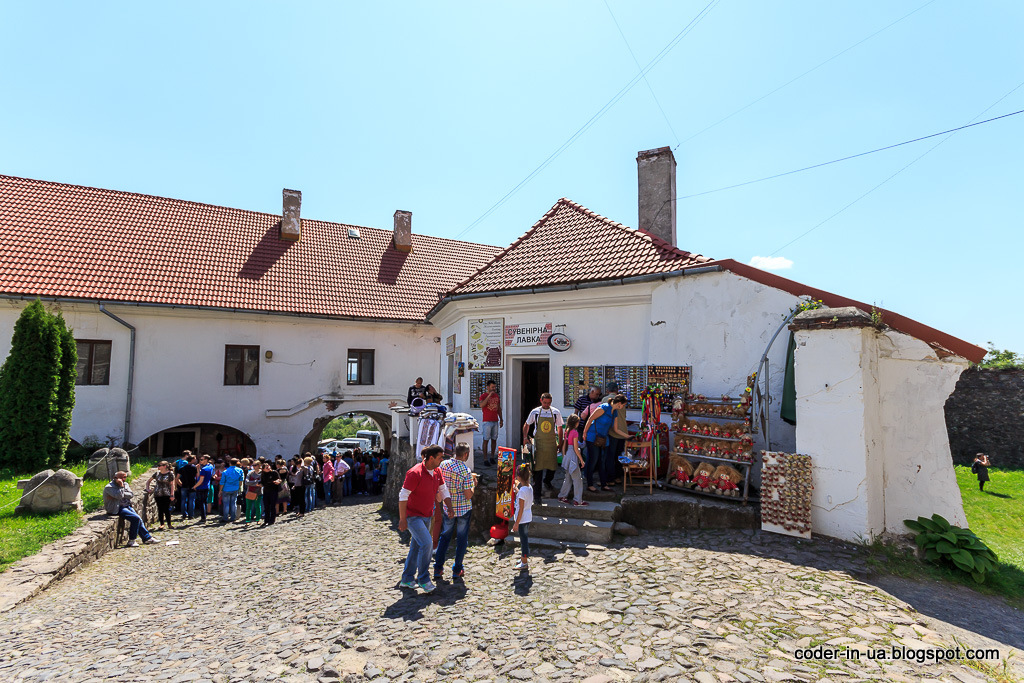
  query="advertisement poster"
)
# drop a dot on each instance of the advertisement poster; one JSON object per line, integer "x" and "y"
{"x": 459, "y": 371}
{"x": 486, "y": 339}
{"x": 527, "y": 334}
{"x": 506, "y": 480}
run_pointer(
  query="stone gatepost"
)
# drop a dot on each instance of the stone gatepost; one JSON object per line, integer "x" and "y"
{"x": 870, "y": 414}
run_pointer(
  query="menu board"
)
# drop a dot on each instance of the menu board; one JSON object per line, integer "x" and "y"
{"x": 478, "y": 384}
{"x": 486, "y": 343}
{"x": 576, "y": 379}
{"x": 674, "y": 381}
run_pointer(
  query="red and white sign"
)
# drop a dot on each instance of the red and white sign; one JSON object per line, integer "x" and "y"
{"x": 527, "y": 334}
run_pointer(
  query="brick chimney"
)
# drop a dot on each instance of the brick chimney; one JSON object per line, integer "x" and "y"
{"x": 656, "y": 172}
{"x": 290, "y": 224}
{"x": 403, "y": 231}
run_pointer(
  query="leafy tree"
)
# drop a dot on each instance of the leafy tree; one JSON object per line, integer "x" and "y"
{"x": 1001, "y": 359}
{"x": 29, "y": 383}
{"x": 344, "y": 427}
{"x": 60, "y": 436}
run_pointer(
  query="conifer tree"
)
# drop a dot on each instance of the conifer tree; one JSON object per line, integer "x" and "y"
{"x": 60, "y": 436}
{"x": 29, "y": 382}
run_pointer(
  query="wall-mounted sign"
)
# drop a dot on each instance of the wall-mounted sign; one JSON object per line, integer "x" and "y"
{"x": 527, "y": 334}
{"x": 485, "y": 344}
{"x": 449, "y": 345}
{"x": 559, "y": 342}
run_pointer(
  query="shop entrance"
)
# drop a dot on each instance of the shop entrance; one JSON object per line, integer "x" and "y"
{"x": 534, "y": 381}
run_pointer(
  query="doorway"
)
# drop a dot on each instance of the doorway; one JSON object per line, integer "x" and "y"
{"x": 175, "y": 442}
{"x": 534, "y": 381}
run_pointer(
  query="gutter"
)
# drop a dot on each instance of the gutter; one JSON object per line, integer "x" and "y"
{"x": 219, "y": 309}
{"x": 131, "y": 372}
{"x": 653, "y": 277}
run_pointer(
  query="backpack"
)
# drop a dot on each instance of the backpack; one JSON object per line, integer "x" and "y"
{"x": 308, "y": 476}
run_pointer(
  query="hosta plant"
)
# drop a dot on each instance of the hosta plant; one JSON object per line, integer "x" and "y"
{"x": 944, "y": 543}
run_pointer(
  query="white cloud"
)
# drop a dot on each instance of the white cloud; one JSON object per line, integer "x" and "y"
{"x": 771, "y": 262}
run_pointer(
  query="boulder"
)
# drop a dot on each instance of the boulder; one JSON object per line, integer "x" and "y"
{"x": 106, "y": 462}
{"x": 50, "y": 491}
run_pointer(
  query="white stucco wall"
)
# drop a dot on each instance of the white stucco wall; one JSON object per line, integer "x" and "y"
{"x": 179, "y": 370}
{"x": 870, "y": 414}
{"x": 913, "y": 388}
{"x": 719, "y": 323}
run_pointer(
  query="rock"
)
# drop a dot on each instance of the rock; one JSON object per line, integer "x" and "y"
{"x": 49, "y": 492}
{"x": 314, "y": 663}
{"x": 625, "y": 529}
{"x": 588, "y": 617}
{"x": 106, "y": 462}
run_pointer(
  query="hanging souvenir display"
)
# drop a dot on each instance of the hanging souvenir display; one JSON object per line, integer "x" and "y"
{"x": 786, "y": 488}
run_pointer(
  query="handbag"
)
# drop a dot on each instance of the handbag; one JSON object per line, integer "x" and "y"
{"x": 601, "y": 441}
{"x": 252, "y": 495}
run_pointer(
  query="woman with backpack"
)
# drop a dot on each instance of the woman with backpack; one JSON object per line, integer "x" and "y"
{"x": 309, "y": 477}
{"x": 296, "y": 479}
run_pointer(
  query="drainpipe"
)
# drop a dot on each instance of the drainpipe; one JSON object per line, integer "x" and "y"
{"x": 131, "y": 372}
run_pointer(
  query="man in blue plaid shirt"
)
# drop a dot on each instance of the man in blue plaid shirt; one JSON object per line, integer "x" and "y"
{"x": 460, "y": 483}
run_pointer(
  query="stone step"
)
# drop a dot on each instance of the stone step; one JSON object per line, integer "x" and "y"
{"x": 603, "y": 511}
{"x": 566, "y": 529}
{"x": 553, "y": 544}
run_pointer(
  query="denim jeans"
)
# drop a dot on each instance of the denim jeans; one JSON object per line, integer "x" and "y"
{"x": 417, "y": 563}
{"x": 202, "y": 495}
{"x": 188, "y": 503}
{"x": 524, "y": 539}
{"x": 460, "y": 525}
{"x": 611, "y": 459}
{"x": 347, "y": 491}
{"x": 229, "y": 505}
{"x": 595, "y": 463}
{"x": 328, "y": 485}
{"x": 137, "y": 527}
{"x": 310, "y": 497}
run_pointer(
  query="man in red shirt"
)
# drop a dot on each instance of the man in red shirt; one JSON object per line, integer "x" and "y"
{"x": 490, "y": 406}
{"x": 423, "y": 486}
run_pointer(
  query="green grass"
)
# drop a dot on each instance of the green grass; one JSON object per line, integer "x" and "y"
{"x": 24, "y": 535}
{"x": 996, "y": 515}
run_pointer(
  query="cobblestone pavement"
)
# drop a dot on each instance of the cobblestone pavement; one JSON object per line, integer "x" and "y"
{"x": 317, "y": 599}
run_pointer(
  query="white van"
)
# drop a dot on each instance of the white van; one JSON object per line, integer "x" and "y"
{"x": 352, "y": 443}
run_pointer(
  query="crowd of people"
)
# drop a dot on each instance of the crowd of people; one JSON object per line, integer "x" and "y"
{"x": 247, "y": 489}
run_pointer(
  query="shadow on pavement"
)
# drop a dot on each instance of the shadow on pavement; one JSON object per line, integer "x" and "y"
{"x": 410, "y": 606}
{"x": 522, "y": 584}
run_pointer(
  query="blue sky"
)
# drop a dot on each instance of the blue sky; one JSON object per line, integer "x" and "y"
{"x": 442, "y": 108}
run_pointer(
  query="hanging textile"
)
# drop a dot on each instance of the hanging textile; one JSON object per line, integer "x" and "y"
{"x": 788, "y": 412}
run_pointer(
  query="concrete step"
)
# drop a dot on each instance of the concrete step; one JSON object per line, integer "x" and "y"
{"x": 603, "y": 511}
{"x": 567, "y": 529}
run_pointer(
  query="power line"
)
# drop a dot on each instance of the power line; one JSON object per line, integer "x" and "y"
{"x": 852, "y": 156}
{"x": 637, "y": 62}
{"x": 594, "y": 119}
{"x": 951, "y": 133}
{"x": 805, "y": 73}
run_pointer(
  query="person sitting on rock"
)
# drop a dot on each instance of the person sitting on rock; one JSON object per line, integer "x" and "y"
{"x": 117, "y": 500}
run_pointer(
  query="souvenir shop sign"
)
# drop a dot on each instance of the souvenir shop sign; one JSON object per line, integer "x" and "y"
{"x": 527, "y": 334}
{"x": 486, "y": 341}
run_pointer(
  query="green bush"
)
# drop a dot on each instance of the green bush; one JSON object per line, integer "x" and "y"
{"x": 944, "y": 543}
{"x": 60, "y": 435}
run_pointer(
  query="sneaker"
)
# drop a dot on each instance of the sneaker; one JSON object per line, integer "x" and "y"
{"x": 563, "y": 500}
{"x": 150, "y": 541}
{"x": 408, "y": 584}
{"x": 131, "y": 544}
{"x": 427, "y": 587}
{"x": 459, "y": 574}
{"x": 580, "y": 504}
{"x": 522, "y": 566}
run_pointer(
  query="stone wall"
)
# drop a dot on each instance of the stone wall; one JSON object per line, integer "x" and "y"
{"x": 985, "y": 414}
{"x": 28, "y": 576}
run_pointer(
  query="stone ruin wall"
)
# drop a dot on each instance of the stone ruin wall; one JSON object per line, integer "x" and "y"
{"x": 985, "y": 414}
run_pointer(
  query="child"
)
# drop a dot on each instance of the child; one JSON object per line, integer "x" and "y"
{"x": 524, "y": 515}
{"x": 573, "y": 463}
{"x": 980, "y": 468}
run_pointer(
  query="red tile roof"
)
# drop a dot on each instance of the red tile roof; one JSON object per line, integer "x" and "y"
{"x": 572, "y": 244}
{"x": 69, "y": 241}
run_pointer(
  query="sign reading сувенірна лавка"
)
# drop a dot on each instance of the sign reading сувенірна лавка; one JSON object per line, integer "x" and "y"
{"x": 527, "y": 334}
